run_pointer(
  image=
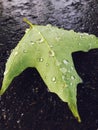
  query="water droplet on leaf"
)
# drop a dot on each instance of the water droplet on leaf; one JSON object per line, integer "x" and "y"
{"x": 51, "y": 53}
{"x": 72, "y": 67}
{"x": 15, "y": 53}
{"x": 53, "y": 79}
{"x": 32, "y": 42}
{"x": 27, "y": 30}
{"x": 41, "y": 40}
{"x": 51, "y": 46}
{"x": 63, "y": 70}
{"x": 65, "y": 62}
{"x": 25, "y": 51}
{"x": 40, "y": 59}
{"x": 5, "y": 72}
{"x": 39, "y": 33}
{"x": 48, "y": 25}
{"x": 72, "y": 77}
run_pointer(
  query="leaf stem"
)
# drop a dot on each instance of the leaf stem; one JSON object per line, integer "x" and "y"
{"x": 28, "y": 22}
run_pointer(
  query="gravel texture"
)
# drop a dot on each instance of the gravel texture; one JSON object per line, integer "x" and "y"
{"x": 27, "y": 104}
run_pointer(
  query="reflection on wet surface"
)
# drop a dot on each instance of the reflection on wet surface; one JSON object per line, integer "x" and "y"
{"x": 79, "y": 15}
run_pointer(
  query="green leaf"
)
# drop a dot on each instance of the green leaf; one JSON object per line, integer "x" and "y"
{"x": 49, "y": 50}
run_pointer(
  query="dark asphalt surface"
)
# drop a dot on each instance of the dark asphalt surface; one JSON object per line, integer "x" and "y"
{"x": 27, "y": 104}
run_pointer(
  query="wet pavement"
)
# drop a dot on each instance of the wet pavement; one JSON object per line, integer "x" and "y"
{"x": 27, "y": 104}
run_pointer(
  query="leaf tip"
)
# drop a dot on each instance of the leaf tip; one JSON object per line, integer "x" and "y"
{"x": 78, "y": 119}
{"x": 74, "y": 110}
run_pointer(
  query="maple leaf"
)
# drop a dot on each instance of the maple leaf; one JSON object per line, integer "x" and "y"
{"x": 49, "y": 49}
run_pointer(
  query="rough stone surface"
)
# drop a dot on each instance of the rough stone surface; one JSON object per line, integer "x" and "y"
{"x": 27, "y": 104}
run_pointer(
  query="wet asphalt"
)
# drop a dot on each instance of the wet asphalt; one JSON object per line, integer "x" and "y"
{"x": 27, "y": 104}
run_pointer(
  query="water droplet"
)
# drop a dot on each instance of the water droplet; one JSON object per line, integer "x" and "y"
{"x": 5, "y": 72}
{"x": 39, "y": 33}
{"x": 32, "y": 42}
{"x": 18, "y": 121}
{"x": 80, "y": 36}
{"x": 72, "y": 77}
{"x": 58, "y": 38}
{"x": 27, "y": 30}
{"x": 65, "y": 62}
{"x": 53, "y": 79}
{"x": 41, "y": 40}
{"x": 49, "y": 25}
{"x": 63, "y": 70}
{"x": 40, "y": 59}
{"x": 51, "y": 46}
{"x": 72, "y": 67}
{"x": 25, "y": 51}
{"x": 51, "y": 53}
{"x": 15, "y": 53}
